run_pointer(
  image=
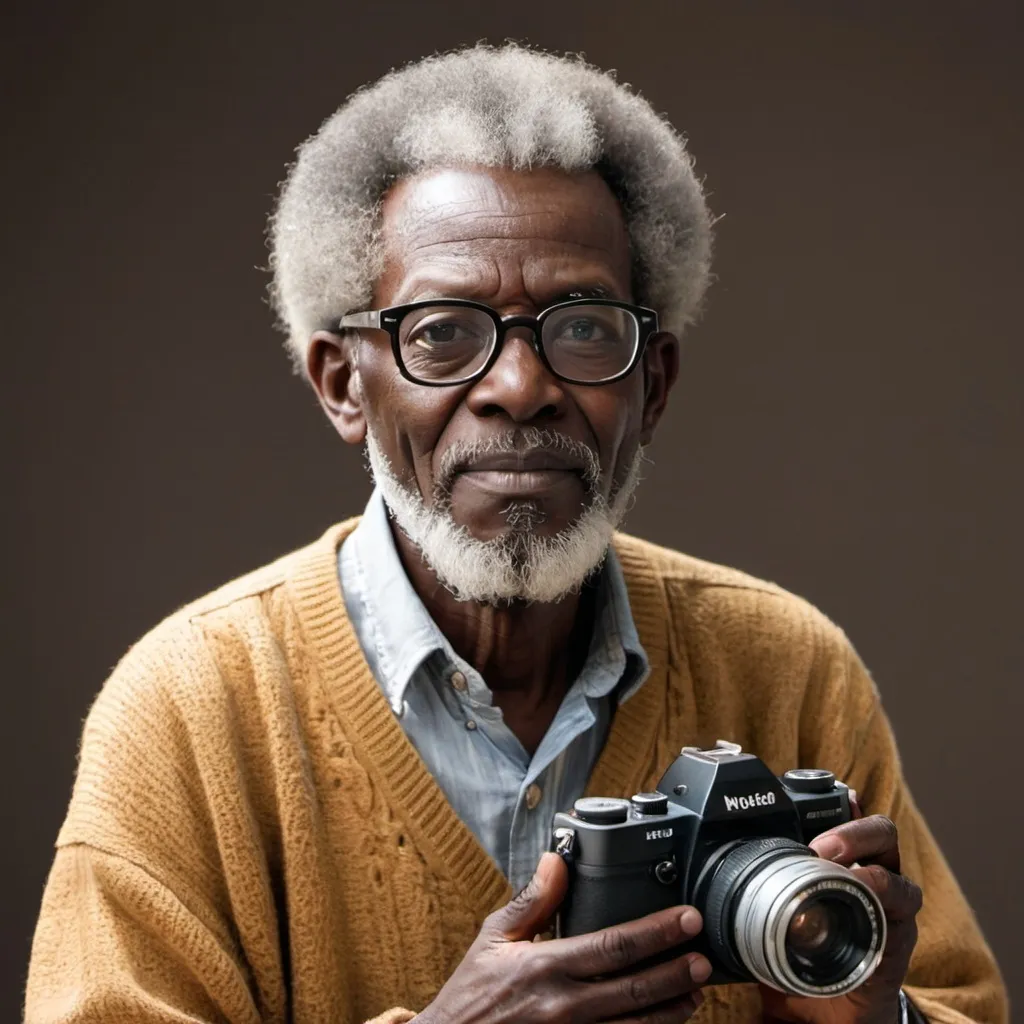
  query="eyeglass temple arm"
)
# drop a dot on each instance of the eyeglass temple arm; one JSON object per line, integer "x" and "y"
{"x": 368, "y": 319}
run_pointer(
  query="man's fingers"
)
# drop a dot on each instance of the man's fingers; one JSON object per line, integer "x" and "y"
{"x": 672, "y": 1012}
{"x": 528, "y": 913}
{"x": 620, "y": 947}
{"x": 872, "y": 844}
{"x": 638, "y": 992}
{"x": 900, "y": 898}
{"x": 871, "y": 840}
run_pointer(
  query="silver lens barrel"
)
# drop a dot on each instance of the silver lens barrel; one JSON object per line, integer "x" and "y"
{"x": 775, "y": 904}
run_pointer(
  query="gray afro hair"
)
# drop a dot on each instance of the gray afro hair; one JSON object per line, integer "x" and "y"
{"x": 505, "y": 106}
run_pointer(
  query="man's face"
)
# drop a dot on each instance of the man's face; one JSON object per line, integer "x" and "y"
{"x": 519, "y": 242}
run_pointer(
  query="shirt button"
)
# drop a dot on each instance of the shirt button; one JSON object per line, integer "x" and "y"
{"x": 533, "y": 795}
{"x": 471, "y": 725}
{"x": 459, "y": 681}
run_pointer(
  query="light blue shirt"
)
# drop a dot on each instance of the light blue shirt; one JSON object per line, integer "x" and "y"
{"x": 447, "y": 711}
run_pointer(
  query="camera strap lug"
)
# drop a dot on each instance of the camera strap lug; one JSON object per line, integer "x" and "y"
{"x": 565, "y": 844}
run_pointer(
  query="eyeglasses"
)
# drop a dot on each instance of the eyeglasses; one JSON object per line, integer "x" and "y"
{"x": 443, "y": 342}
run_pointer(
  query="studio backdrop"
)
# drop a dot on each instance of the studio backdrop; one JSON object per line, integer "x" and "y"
{"x": 848, "y": 420}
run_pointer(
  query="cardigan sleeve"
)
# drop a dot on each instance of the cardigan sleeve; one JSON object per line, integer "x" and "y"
{"x": 143, "y": 919}
{"x": 136, "y": 922}
{"x": 113, "y": 944}
{"x": 953, "y": 976}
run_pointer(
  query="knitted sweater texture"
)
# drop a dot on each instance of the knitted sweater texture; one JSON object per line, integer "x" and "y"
{"x": 253, "y": 840}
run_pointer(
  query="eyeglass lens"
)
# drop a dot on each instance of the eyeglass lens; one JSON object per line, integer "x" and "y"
{"x": 584, "y": 343}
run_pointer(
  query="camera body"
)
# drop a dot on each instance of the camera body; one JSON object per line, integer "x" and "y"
{"x": 724, "y": 834}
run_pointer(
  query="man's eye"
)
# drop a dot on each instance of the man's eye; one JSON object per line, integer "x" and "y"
{"x": 582, "y": 329}
{"x": 438, "y": 334}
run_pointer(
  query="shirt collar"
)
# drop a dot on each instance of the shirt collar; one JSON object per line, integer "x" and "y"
{"x": 615, "y": 635}
{"x": 405, "y": 635}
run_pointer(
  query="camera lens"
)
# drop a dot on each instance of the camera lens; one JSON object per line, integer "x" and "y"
{"x": 800, "y": 924}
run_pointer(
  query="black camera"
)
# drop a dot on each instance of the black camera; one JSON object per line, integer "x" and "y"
{"x": 724, "y": 834}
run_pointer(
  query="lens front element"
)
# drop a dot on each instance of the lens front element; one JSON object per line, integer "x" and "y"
{"x": 827, "y": 937}
{"x": 812, "y": 929}
{"x": 807, "y": 927}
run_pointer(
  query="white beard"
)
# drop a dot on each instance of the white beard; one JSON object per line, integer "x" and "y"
{"x": 519, "y": 565}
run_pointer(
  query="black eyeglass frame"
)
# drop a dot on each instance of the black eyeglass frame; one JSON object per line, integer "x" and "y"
{"x": 390, "y": 319}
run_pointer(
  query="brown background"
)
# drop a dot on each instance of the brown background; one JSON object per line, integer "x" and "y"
{"x": 848, "y": 422}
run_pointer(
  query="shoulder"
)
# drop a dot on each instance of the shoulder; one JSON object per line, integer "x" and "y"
{"x": 240, "y": 591}
{"x": 714, "y": 596}
{"x": 765, "y": 665}
{"x": 251, "y": 602}
{"x": 186, "y": 705}
{"x": 179, "y": 679}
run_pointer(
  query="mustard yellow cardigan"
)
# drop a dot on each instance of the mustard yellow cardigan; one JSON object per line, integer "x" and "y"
{"x": 252, "y": 838}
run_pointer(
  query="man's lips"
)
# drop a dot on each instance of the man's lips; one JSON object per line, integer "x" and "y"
{"x": 537, "y": 461}
{"x": 522, "y": 474}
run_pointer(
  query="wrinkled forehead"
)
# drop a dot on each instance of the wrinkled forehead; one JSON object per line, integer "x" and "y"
{"x": 496, "y": 222}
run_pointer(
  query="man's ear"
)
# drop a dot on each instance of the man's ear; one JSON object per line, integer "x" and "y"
{"x": 333, "y": 371}
{"x": 661, "y": 367}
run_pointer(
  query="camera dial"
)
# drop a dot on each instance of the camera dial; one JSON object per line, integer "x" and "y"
{"x": 650, "y": 803}
{"x": 601, "y": 810}
{"x": 809, "y": 780}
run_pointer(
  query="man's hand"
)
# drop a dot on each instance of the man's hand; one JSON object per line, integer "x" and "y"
{"x": 873, "y": 844}
{"x": 506, "y": 977}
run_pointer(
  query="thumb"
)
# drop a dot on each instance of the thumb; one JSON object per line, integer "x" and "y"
{"x": 527, "y": 914}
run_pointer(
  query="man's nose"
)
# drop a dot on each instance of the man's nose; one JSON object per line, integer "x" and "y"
{"x": 518, "y": 385}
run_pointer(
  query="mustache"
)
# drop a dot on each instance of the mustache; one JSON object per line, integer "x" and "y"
{"x": 521, "y": 441}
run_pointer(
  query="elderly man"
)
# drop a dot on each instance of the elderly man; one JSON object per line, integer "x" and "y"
{"x": 311, "y": 795}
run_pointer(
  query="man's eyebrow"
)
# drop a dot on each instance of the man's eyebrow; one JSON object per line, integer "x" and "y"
{"x": 595, "y": 291}
{"x": 592, "y": 292}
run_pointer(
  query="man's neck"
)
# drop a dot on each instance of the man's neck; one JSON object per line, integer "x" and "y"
{"x": 528, "y": 654}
